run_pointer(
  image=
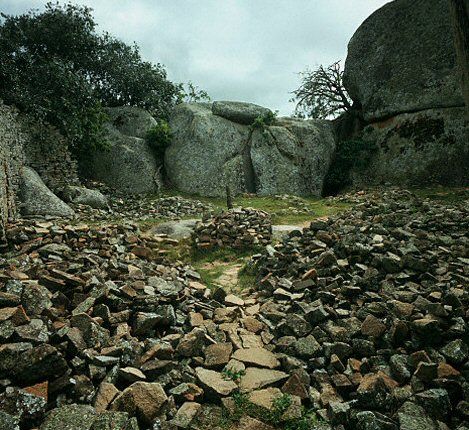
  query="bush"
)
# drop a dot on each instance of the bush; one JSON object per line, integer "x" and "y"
{"x": 56, "y": 68}
{"x": 350, "y": 155}
{"x": 159, "y": 138}
{"x": 263, "y": 121}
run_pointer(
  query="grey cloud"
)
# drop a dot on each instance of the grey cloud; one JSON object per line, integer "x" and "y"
{"x": 247, "y": 50}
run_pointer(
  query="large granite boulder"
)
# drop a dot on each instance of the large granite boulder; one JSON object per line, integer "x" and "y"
{"x": 240, "y": 112}
{"x": 129, "y": 165}
{"x": 419, "y": 148}
{"x": 37, "y": 199}
{"x": 402, "y": 59}
{"x": 210, "y": 151}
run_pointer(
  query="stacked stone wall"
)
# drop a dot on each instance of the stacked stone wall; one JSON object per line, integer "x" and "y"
{"x": 12, "y": 140}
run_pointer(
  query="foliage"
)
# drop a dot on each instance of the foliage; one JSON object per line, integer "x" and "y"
{"x": 191, "y": 93}
{"x": 59, "y": 70}
{"x": 263, "y": 121}
{"x": 159, "y": 138}
{"x": 321, "y": 93}
{"x": 350, "y": 155}
{"x": 231, "y": 375}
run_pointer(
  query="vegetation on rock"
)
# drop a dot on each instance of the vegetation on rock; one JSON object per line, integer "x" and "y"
{"x": 56, "y": 67}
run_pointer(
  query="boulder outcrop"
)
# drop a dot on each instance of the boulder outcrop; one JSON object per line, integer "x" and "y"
{"x": 129, "y": 165}
{"x": 401, "y": 71}
{"x": 402, "y": 59}
{"x": 37, "y": 199}
{"x": 210, "y": 151}
{"x": 419, "y": 148}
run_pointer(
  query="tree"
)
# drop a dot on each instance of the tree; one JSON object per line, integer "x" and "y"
{"x": 191, "y": 93}
{"x": 321, "y": 93}
{"x": 460, "y": 22}
{"x": 57, "y": 68}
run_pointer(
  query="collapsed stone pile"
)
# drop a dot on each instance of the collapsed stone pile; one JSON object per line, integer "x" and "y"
{"x": 361, "y": 319}
{"x": 371, "y": 308}
{"x": 236, "y": 228}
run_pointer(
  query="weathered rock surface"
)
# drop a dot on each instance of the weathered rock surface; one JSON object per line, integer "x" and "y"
{"x": 37, "y": 199}
{"x": 391, "y": 71}
{"x": 239, "y": 112}
{"x": 129, "y": 165}
{"x": 209, "y": 152}
{"x": 85, "y": 196}
{"x": 419, "y": 148}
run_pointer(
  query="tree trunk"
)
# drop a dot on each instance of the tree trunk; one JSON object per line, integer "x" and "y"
{"x": 459, "y": 10}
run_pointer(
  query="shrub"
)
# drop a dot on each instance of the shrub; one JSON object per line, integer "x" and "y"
{"x": 159, "y": 138}
{"x": 350, "y": 155}
{"x": 263, "y": 121}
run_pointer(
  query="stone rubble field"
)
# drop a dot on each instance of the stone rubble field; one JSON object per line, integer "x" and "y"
{"x": 359, "y": 321}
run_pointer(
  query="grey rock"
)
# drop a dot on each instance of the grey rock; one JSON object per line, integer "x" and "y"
{"x": 240, "y": 112}
{"x": 86, "y": 196}
{"x": 181, "y": 229}
{"x": 130, "y": 120}
{"x": 129, "y": 164}
{"x": 456, "y": 351}
{"x": 8, "y": 422}
{"x": 389, "y": 71}
{"x": 414, "y": 417}
{"x": 28, "y": 408}
{"x": 368, "y": 420}
{"x": 416, "y": 149}
{"x": 435, "y": 402}
{"x": 70, "y": 417}
{"x": 209, "y": 152}
{"x": 37, "y": 199}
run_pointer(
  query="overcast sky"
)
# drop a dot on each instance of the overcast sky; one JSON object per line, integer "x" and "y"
{"x": 247, "y": 50}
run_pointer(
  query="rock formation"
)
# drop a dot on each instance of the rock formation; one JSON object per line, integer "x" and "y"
{"x": 402, "y": 59}
{"x": 129, "y": 165}
{"x": 37, "y": 199}
{"x": 401, "y": 70}
{"x": 213, "y": 146}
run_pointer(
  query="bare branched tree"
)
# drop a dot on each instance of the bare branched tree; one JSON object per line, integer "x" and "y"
{"x": 322, "y": 93}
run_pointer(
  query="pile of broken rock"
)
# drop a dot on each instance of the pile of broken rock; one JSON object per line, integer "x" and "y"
{"x": 239, "y": 228}
{"x": 362, "y": 319}
{"x": 370, "y": 309}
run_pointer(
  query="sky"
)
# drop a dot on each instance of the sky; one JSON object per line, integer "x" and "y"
{"x": 245, "y": 50}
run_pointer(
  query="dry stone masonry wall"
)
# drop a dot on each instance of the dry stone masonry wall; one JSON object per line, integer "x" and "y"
{"x": 11, "y": 162}
{"x": 236, "y": 228}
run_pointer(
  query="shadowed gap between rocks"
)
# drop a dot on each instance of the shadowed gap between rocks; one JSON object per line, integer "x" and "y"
{"x": 250, "y": 178}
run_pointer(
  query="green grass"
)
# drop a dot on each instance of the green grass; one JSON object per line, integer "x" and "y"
{"x": 281, "y": 210}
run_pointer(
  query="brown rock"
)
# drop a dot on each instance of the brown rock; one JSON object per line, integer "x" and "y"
{"x": 295, "y": 387}
{"x": 373, "y": 327}
{"x": 214, "y": 383}
{"x": 256, "y": 378}
{"x": 106, "y": 394}
{"x": 257, "y": 356}
{"x": 218, "y": 354}
{"x": 143, "y": 399}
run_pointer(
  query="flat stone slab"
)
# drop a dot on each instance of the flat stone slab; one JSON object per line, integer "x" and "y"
{"x": 255, "y": 378}
{"x": 257, "y": 356}
{"x": 178, "y": 230}
{"x": 282, "y": 230}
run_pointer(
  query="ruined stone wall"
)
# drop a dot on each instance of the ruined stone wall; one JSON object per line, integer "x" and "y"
{"x": 12, "y": 140}
{"x": 47, "y": 153}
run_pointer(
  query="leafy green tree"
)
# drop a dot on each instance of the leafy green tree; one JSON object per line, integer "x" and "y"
{"x": 56, "y": 67}
{"x": 321, "y": 93}
{"x": 191, "y": 93}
